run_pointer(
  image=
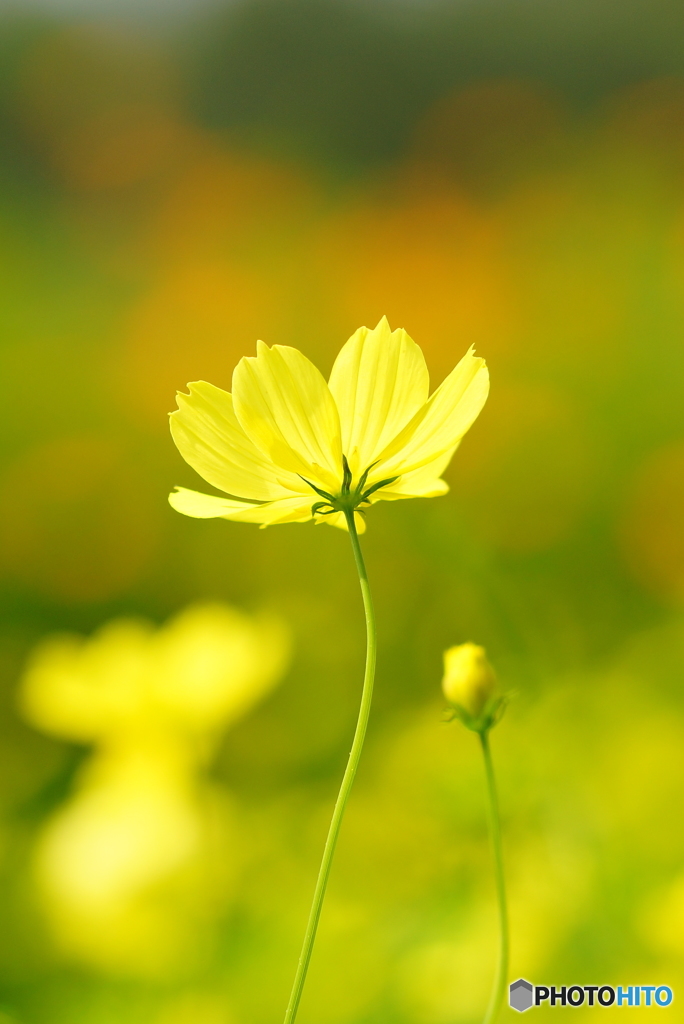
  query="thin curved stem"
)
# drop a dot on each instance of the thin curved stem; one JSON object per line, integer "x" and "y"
{"x": 499, "y": 989}
{"x": 347, "y": 779}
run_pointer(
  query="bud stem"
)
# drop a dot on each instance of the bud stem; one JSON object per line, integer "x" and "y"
{"x": 499, "y": 989}
{"x": 347, "y": 779}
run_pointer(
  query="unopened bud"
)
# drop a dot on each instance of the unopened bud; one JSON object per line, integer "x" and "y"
{"x": 469, "y": 681}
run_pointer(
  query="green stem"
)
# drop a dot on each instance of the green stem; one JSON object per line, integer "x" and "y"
{"x": 500, "y": 979}
{"x": 347, "y": 779}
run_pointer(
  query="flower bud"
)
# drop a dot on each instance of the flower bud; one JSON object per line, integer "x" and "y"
{"x": 469, "y": 681}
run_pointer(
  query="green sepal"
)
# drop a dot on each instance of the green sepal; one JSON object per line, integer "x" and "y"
{"x": 492, "y": 713}
{"x": 364, "y": 477}
{"x": 347, "y": 500}
{"x": 323, "y": 494}
{"x": 376, "y": 487}
{"x": 347, "y": 477}
{"x": 318, "y": 506}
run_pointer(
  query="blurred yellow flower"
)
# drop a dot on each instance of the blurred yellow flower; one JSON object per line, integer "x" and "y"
{"x": 197, "y": 673}
{"x": 469, "y": 681}
{"x": 291, "y": 447}
{"x": 138, "y": 858}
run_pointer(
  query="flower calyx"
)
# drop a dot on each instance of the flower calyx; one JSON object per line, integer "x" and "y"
{"x": 349, "y": 499}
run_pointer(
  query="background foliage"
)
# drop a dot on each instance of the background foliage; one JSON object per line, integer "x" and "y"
{"x": 504, "y": 174}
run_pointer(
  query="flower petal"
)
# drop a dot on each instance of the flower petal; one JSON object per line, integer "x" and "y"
{"x": 433, "y": 488}
{"x": 339, "y": 520}
{"x": 208, "y": 436}
{"x": 287, "y": 510}
{"x": 283, "y": 404}
{"x": 379, "y": 382}
{"x": 205, "y": 506}
{"x": 441, "y": 423}
{"x": 296, "y": 509}
{"x": 420, "y": 483}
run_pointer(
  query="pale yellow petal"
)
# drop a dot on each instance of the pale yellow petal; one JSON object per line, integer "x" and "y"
{"x": 213, "y": 663}
{"x": 208, "y": 436}
{"x": 284, "y": 405}
{"x": 433, "y": 488}
{"x": 339, "y": 520}
{"x": 445, "y": 418}
{"x": 295, "y": 509}
{"x": 82, "y": 689}
{"x": 206, "y": 506}
{"x": 420, "y": 483}
{"x": 379, "y": 382}
{"x": 287, "y": 510}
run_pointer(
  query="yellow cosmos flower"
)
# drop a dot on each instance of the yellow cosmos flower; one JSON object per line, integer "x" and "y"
{"x": 139, "y": 860}
{"x": 287, "y": 447}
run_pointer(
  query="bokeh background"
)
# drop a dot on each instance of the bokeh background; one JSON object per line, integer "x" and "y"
{"x": 179, "y": 180}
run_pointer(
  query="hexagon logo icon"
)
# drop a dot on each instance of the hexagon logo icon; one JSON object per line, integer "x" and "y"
{"x": 520, "y": 995}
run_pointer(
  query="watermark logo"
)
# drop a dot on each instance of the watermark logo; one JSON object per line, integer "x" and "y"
{"x": 523, "y": 995}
